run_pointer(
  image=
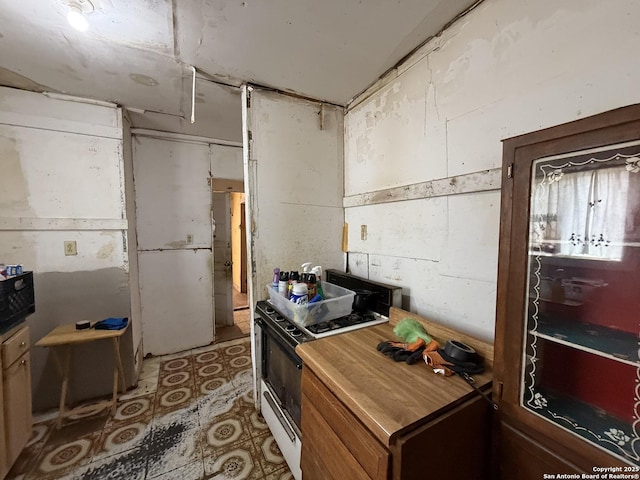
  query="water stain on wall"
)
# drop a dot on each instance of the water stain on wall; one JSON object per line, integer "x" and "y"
{"x": 15, "y": 188}
{"x": 106, "y": 251}
{"x": 143, "y": 79}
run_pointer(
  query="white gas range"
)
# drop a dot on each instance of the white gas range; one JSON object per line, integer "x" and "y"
{"x": 279, "y": 369}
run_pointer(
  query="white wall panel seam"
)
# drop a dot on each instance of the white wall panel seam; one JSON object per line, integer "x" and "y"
{"x": 69, "y": 224}
{"x": 64, "y": 126}
{"x": 481, "y": 181}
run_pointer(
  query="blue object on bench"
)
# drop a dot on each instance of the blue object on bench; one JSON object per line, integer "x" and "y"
{"x": 112, "y": 324}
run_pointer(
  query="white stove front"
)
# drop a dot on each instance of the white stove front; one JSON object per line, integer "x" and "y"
{"x": 282, "y": 431}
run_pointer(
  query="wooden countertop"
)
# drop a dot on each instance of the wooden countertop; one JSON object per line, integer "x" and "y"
{"x": 389, "y": 397}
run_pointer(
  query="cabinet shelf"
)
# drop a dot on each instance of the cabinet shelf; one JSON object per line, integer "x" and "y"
{"x": 587, "y": 421}
{"x": 605, "y": 342}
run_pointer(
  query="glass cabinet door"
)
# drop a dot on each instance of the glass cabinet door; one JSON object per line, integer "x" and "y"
{"x": 580, "y": 369}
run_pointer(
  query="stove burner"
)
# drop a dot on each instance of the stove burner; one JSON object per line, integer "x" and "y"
{"x": 356, "y": 318}
{"x": 342, "y": 322}
{"x": 323, "y": 327}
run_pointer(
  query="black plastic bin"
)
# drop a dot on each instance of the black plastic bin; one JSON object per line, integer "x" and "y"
{"x": 17, "y": 300}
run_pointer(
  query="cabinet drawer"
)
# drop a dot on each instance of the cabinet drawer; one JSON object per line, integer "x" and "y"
{"x": 14, "y": 347}
{"x": 321, "y": 448}
{"x": 319, "y": 403}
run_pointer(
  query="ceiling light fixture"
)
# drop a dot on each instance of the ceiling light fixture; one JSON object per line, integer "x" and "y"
{"x": 76, "y": 15}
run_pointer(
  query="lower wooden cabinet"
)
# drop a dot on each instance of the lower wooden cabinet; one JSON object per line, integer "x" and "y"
{"x": 522, "y": 457}
{"x": 15, "y": 402}
{"x": 337, "y": 446}
{"x": 17, "y": 405}
{"x": 4, "y": 465}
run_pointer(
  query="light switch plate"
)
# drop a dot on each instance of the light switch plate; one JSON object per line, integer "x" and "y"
{"x": 70, "y": 247}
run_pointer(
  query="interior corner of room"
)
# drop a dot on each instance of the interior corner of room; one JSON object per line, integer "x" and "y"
{"x": 159, "y": 164}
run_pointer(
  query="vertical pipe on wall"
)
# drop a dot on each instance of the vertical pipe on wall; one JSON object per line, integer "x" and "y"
{"x": 193, "y": 96}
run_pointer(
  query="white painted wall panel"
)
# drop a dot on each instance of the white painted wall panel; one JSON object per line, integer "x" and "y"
{"x": 359, "y": 264}
{"x": 50, "y": 171}
{"x": 397, "y": 138}
{"x": 470, "y": 250}
{"x": 173, "y": 199}
{"x": 61, "y": 165}
{"x": 415, "y": 228}
{"x": 132, "y": 253}
{"x": 506, "y": 68}
{"x": 296, "y": 186}
{"x": 176, "y": 299}
{"x": 45, "y": 250}
{"x": 505, "y": 50}
{"x": 58, "y": 111}
{"x": 465, "y": 304}
{"x": 226, "y": 162}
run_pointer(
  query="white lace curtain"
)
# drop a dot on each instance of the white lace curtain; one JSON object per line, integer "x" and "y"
{"x": 581, "y": 213}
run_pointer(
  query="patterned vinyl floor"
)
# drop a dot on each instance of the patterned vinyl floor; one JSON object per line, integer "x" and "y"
{"x": 191, "y": 417}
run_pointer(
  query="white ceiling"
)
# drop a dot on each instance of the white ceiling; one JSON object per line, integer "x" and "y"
{"x": 138, "y": 53}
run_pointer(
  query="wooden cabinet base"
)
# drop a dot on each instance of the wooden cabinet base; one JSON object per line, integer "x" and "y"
{"x": 17, "y": 406}
{"x": 526, "y": 459}
{"x": 334, "y": 440}
{"x": 336, "y": 446}
{"x": 456, "y": 445}
{"x": 15, "y": 397}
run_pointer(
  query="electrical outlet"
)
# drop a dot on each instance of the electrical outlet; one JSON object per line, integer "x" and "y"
{"x": 363, "y": 232}
{"x": 70, "y": 247}
{"x": 189, "y": 239}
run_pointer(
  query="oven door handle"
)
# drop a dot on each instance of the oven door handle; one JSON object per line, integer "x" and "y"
{"x": 276, "y": 411}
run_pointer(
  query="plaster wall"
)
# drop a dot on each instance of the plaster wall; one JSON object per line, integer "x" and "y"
{"x": 506, "y": 68}
{"x": 132, "y": 240}
{"x": 226, "y": 162}
{"x": 63, "y": 180}
{"x": 295, "y": 176}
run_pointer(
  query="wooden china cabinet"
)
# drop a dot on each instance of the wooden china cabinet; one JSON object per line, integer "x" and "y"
{"x": 567, "y": 369}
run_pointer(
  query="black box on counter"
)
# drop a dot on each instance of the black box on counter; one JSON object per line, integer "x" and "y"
{"x": 17, "y": 300}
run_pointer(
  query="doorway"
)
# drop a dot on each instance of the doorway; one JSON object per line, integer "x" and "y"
{"x": 239, "y": 252}
{"x": 241, "y": 321}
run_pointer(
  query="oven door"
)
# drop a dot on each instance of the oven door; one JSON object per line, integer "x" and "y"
{"x": 279, "y": 392}
{"x": 282, "y": 372}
